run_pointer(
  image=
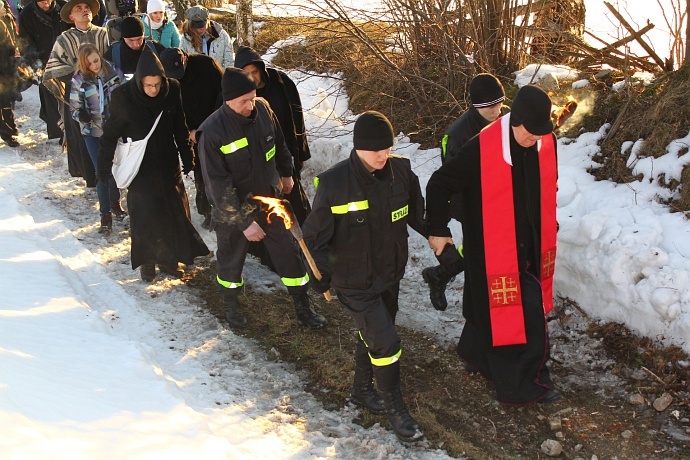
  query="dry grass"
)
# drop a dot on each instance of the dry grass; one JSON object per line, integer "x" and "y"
{"x": 456, "y": 409}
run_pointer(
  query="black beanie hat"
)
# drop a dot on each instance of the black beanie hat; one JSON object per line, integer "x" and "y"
{"x": 532, "y": 108}
{"x": 486, "y": 90}
{"x": 245, "y": 56}
{"x": 236, "y": 83}
{"x": 132, "y": 27}
{"x": 373, "y": 132}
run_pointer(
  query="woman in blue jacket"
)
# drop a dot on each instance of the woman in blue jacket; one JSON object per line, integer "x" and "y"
{"x": 92, "y": 85}
{"x": 158, "y": 26}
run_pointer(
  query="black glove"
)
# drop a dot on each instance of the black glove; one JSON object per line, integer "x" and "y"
{"x": 322, "y": 285}
{"x": 84, "y": 116}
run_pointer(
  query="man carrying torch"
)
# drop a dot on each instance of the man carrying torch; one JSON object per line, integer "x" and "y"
{"x": 357, "y": 234}
{"x": 243, "y": 154}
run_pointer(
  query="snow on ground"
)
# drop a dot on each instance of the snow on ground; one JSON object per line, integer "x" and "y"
{"x": 95, "y": 361}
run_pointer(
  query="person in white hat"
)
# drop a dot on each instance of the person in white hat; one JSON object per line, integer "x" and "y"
{"x": 158, "y": 26}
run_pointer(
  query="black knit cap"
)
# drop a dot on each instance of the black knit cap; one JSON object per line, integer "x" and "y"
{"x": 245, "y": 56}
{"x": 132, "y": 27}
{"x": 486, "y": 90}
{"x": 532, "y": 108}
{"x": 373, "y": 132}
{"x": 236, "y": 83}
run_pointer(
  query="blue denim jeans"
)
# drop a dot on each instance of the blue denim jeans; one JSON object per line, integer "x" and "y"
{"x": 107, "y": 193}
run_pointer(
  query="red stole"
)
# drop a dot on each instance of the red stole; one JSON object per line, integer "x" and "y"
{"x": 500, "y": 245}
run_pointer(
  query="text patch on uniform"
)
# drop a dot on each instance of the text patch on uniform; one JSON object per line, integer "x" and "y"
{"x": 399, "y": 213}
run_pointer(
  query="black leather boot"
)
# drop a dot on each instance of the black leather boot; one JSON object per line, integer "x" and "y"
{"x": 305, "y": 314}
{"x": 231, "y": 308}
{"x": 451, "y": 265}
{"x": 388, "y": 381}
{"x": 404, "y": 426}
{"x": 363, "y": 392}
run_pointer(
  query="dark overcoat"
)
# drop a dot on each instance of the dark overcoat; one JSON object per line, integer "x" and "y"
{"x": 160, "y": 224}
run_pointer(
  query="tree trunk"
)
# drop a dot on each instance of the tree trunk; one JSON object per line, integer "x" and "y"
{"x": 687, "y": 33}
{"x": 245, "y": 23}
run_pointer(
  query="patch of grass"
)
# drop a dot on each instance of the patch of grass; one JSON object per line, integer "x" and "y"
{"x": 455, "y": 409}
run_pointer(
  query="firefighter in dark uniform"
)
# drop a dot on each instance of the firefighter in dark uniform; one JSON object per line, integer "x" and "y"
{"x": 357, "y": 233}
{"x": 486, "y": 98}
{"x": 243, "y": 154}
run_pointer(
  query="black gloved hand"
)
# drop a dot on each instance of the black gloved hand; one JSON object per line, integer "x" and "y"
{"x": 84, "y": 116}
{"x": 320, "y": 286}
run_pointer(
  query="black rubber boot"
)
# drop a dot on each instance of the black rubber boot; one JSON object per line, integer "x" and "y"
{"x": 363, "y": 392}
{"x": 388, "y": 381}
{"x": 451, "y": 265}
{"x": 231, "y": 308}
{"x": 305, "y": 314}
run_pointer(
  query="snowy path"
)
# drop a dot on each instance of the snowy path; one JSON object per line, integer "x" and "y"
{"x": 101, "y": 362}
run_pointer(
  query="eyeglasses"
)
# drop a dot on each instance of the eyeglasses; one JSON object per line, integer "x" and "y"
{"x": 156, "y": 86}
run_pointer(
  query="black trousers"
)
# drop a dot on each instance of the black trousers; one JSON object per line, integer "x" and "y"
{"x": 203, "y": 207}
{"x": 281, "y": 246}
{"x": 79, "y": 161}
{"x": 374, "y": 316}
{"x": 519, "y": 372}
{"x": 8, "y": 127}
{"x": 50, "y": 112}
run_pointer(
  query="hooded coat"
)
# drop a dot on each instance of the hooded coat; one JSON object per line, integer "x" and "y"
{"x": 160, "y": 224}
{"x": 38, "y": 31}
{"x": 283, "y": 97}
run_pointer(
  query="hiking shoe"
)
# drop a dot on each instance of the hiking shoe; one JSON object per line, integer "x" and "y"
{"x": 116, "y": 209}
{"x": 173, "y": 270}
{"x": 106, "y": 224}
{"x": 11, "y": 141}
{"x": 148, "y": 272}
{"x": 207, "y": 222}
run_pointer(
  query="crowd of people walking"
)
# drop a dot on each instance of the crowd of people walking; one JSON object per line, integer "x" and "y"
{"x": 163, "y": 103}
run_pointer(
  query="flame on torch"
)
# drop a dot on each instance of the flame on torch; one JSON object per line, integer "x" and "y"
{"x": 562, "y": 114}
{"x": 281, "y": 208}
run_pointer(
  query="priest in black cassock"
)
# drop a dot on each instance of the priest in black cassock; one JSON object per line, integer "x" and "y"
{"x": 507, "y": 179}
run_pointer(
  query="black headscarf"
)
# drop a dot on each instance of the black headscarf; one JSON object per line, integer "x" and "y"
{"x": 149, "y": 65}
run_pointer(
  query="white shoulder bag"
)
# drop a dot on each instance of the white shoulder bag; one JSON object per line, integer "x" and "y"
{"x": 128, "y": 156}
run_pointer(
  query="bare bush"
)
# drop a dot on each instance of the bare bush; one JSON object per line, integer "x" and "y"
{"x": 413, "y": 59}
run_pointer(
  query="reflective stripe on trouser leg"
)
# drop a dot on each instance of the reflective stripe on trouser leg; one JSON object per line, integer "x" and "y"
{"x": 230, "y": 284}
{"x": 385, "y": 361}
{"x": 230, "y": 256}
{"x": 371, "y": 317}
{"x": 285, "y": 255}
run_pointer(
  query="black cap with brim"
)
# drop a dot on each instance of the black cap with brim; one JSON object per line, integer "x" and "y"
{"x": 532, "y": 109}
{"x": 67, "y": 9}
{"x": 173, "y": 62}
{"x": 198, "y": 24}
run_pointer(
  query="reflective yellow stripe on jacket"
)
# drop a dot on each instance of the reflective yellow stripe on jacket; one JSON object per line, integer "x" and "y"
{"x": 233, "y": 147}
{"x": 352, "y": 206}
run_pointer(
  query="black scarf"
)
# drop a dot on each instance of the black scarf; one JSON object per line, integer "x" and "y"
{"x": 149, "y": 65}
{"x": 45, "y": 18}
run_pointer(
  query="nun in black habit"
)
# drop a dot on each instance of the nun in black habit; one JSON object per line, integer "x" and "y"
{"x": 161, "y": 230}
